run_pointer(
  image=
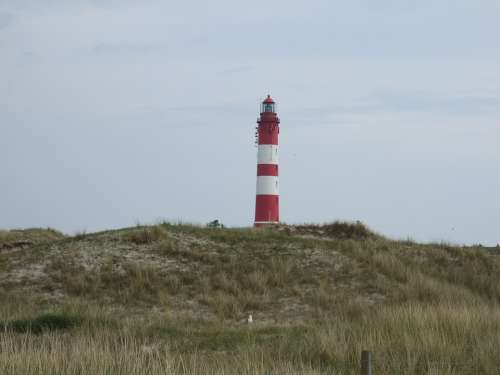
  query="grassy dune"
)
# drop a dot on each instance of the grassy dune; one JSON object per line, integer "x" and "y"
{"x": 173, "y": 299}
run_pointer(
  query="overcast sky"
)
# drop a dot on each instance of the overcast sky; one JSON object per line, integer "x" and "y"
{"x": 114, "y": 112}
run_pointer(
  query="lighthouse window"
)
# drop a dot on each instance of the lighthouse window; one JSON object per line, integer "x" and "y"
{"x": 268, "y": 107}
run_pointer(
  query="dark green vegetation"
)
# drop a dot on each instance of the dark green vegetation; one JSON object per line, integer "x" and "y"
{"x": 43, "y": 323}
{"x": 175, "y": 299}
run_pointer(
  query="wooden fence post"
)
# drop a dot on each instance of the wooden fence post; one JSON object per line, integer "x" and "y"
{"x": 366, "y": 362}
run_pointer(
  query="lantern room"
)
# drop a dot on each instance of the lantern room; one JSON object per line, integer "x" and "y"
{"x": 268, "y": 105}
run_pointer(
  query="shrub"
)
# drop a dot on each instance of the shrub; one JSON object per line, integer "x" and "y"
{"x": 42, "y": 323}
{"x": 340, "y": 229}
{"x": 147, "y": 235}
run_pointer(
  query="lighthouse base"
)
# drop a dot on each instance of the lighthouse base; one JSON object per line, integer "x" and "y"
{"x": 262, "y": 224}
{"x": 267, "y": 210}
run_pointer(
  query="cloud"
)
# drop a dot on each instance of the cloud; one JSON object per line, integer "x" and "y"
{"x": 397, "y": 102}
{"x": 128, "y": 48}
{"x": 26, "y": 4}
{"x": 237, "y": 69}
{"x": 430, "y": 102}
{"x": 6, "y": 19}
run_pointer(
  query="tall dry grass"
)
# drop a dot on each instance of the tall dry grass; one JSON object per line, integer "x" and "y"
{"x": 122, "y": 354}
{"x": 413, "y": 338}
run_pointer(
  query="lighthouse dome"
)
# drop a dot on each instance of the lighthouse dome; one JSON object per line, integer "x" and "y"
{"x": 268, "y": 100}
{"x": 268, "y": 105}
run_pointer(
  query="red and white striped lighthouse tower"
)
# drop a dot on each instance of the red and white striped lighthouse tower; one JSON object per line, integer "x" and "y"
{"x": 267, "y": 200}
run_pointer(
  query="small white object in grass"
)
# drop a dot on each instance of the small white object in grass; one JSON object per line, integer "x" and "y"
{"x": 250, "y": 319}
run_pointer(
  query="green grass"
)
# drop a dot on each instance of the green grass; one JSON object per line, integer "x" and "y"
{"x": 173, "y": 299}
{"x": 28, "y": 237}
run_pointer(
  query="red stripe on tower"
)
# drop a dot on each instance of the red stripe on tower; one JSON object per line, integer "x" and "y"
{"x": 267, "y": 200}
{"x": 267, "y": 169}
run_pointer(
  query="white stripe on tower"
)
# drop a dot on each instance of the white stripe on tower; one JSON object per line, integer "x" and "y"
{"x": 267, "y": 185}
{"x": 267, "y": 154}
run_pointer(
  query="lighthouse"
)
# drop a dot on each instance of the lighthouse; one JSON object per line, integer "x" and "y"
{"x": 267, "y": 199}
